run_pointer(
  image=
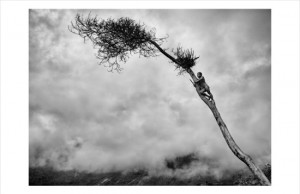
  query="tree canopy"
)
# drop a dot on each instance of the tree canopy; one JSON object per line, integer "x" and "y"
{"x": 117, "y": 39}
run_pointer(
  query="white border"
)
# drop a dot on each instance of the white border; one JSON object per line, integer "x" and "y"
{"x": 285, "y": 94}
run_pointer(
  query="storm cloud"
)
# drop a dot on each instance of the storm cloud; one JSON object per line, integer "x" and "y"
{"x": 83, "y": 117}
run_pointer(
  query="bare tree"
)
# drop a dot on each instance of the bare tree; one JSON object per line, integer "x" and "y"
{"x": 117, "y": 39}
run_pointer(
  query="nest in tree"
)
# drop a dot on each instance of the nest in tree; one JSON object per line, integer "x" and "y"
{"x": 186, "y": 59}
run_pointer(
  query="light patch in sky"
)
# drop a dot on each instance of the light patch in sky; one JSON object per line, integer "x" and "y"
{"x": 83, "y": 117}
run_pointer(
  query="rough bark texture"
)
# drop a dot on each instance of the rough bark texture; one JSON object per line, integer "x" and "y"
{"x": 228, "y": 138}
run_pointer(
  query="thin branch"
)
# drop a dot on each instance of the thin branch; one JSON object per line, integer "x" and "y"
{"x": 117, "y": 39}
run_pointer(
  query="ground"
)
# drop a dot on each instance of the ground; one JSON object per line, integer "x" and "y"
{"x": 50, "y": 176}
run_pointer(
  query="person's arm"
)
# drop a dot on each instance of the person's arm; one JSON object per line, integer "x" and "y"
{"x": 199, "y": 79}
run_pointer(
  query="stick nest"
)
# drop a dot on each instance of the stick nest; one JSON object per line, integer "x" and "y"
{"x": 186, "y": 59}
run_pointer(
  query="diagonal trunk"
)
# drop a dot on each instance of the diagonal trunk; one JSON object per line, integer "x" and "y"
{"x": 163, "y": 51}
{"x": 228, "y": 138}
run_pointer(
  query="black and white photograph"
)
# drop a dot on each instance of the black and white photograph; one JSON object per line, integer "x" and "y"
{"x": 150, "y": 97}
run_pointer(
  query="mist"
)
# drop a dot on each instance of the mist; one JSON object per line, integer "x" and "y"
{"x": 85, "y": 118}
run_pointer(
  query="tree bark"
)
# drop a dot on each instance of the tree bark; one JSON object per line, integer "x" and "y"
{"x": 163, "y": 51}
{"x": 228, "y": 138}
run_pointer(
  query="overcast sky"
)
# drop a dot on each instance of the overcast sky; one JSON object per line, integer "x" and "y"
{"x": 83, "y": 117}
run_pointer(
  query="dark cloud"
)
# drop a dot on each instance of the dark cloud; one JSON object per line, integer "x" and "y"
{"x": 83, "y": 117}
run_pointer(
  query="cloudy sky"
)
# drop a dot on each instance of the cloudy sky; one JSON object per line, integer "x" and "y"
{"x": 83, "y": 117}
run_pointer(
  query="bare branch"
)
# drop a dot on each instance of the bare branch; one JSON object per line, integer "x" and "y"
{"x": 116, "y": 39}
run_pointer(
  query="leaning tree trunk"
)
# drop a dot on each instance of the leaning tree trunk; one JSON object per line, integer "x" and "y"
{"x": 228, "y": 138}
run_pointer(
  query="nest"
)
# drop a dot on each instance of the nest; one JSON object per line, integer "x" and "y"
{"x": 186, "y": 59}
